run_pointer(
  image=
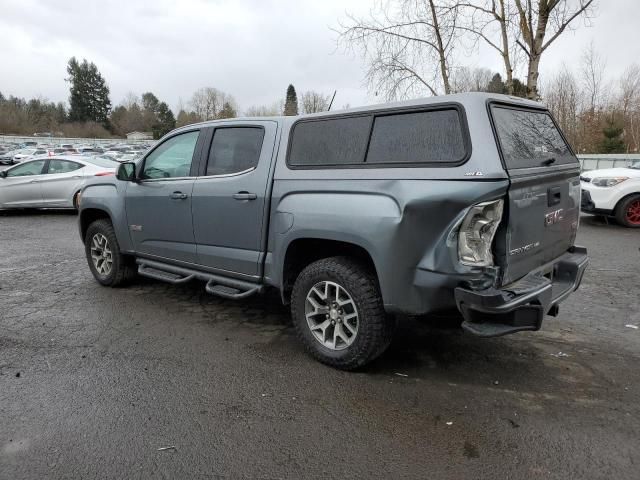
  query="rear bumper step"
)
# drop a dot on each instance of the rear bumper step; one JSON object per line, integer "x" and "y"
{"x": 523, "y": 304}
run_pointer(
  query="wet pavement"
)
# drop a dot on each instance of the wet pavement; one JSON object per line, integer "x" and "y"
{"x": 95, "y": 381}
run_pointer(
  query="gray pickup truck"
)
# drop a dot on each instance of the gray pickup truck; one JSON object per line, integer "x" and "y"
{"x": 465, "y": 202}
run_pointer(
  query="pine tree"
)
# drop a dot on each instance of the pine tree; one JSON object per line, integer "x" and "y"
{"x": 165, "y": 121}
{"x": 612, "y": 143}
{"x": 227, "y": 111}
{"x": 496, "y": 85}
{"x": 291, "y": 103}
{"x": 89, "y": 94}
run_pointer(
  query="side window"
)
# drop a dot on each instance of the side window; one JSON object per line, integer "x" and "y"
{"x": 29, "y": 168}
{"x": 234, "y": 149}
{"x": 62, "y": 166}
{"x": 422, "y": 137}
{"x": 336, "y": 141}
{"x": 172, "y": 158}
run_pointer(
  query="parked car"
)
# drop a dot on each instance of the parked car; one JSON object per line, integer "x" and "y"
{"x": 614, "y": 192}
{"x": 27, "y": 153}
{"x": 49, "y": 182}
{"x": 355, "y": 217}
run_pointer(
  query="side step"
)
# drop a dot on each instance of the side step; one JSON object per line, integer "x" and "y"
{"x": 216, "y": 284}
{"x": 163, "y": 275}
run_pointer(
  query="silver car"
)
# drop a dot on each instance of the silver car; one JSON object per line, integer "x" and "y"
{"x": 50, "y": 182}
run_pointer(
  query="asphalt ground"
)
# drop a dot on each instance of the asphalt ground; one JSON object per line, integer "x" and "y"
{"x": 94, "y": 382}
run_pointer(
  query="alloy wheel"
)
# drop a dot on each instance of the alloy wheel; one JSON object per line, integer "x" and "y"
{"x": 331, "y": 315}
{"x": 101, "y": 254}
{"x": 633, "y": 212}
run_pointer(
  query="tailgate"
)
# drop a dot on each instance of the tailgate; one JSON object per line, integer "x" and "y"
{"x": 543, "y": 205}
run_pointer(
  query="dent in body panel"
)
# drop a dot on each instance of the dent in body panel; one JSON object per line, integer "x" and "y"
{"x": 406, "y": 229}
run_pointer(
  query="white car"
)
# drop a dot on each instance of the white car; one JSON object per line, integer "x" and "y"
{"x": 614, "y": 192}
{"x": 27, "y": 153}
{"x": 50, "y": 182}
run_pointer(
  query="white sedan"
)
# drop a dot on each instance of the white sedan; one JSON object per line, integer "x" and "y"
{"x": 614, "y": 192}
{"x": 50, "y": 182}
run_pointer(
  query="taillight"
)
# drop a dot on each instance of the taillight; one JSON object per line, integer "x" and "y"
{"x": 476, "y": 233}
{"x": 103, "y": 174}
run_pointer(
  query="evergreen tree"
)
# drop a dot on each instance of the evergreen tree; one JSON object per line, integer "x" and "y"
{"x": 519, "y": 88}
{"x": 496, "y": 85}
{"x": 291, "y": 102}
{"x": 89, "y": 94}
{"x": 227, "y": 111}
{"x": 187, "y": 118}
{"x": 165, "y": 121}
{"x": 612, "y": 143}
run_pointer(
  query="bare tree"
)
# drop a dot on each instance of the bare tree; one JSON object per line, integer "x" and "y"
{"x": 272, "y": 110}
{"x": 562, "y": 95}
{"x": 208, "y": 103}
{"x": 407, "y": 44}
{"x": 492, "y": 21}
{"x": 629, "y": 105}
{"x": 592, "y": 74}
{"x": 466, "y": 79}
{"x": 541, "y": 22}
{"x": 313, "y": 102}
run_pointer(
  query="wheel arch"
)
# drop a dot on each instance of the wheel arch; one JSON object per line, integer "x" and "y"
{"x": 90, "y": 215}
{"x": 301, "y": 252}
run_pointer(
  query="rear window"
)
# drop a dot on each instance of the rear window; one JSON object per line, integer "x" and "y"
{"x": 432, "y": 136}
{"x": 529, "y": 138}
{"x": 336, "y": 141}
{"x": 422, "y": 137}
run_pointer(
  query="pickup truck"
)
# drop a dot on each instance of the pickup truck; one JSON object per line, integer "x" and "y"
{"x": 466, "y": 202}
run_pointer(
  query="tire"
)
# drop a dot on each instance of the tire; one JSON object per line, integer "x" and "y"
{"x": 358, "y": 292}
{"x": 75, "y": 200}
{"x": 121, "y": 269}
{"x": 628, "y": 212}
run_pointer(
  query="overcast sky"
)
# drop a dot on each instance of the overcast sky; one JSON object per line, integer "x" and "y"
{"x": 251, "y": 49}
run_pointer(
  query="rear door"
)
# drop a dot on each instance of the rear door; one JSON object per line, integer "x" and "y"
{"x": 543, "y": 206}
{"x": 62, "y": 179}
{"x": 229, "y": 198}
{"x": 21, "y": 186}
{"x": 159, "y": 205}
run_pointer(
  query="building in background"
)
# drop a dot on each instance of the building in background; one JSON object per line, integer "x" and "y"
{"x": 139, "y": 136}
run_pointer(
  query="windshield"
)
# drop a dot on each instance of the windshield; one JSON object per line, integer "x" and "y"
{"x": 529, "y": 138}
{"x": 102, "y": 162}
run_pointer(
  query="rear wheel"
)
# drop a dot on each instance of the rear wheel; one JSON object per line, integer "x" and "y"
{"x": 338, "y": 313}
{"x": 108, "y": 265}
{"x": 628, "y": 212}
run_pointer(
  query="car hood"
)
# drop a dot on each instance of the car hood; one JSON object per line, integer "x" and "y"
{"x": 613, "y": 172}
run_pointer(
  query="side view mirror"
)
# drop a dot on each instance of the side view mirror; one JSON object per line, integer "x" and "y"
{"x": 3, "y": 174}
{"x": 126, "y": 172}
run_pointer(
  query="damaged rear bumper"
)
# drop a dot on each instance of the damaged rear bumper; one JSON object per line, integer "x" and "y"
{"x": 523, "y": 304}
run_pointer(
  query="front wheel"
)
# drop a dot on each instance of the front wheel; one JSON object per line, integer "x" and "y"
{"x": 628, "y": 212}
{"x": 108, "y": 265}
{"x": 338, "y": 313}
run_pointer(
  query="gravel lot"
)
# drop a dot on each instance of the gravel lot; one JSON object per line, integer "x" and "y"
{"x": 94, "y": 381}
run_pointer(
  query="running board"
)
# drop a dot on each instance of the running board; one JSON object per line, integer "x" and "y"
{"x": 216, "y": 284}
{"x": 163, "y": 275}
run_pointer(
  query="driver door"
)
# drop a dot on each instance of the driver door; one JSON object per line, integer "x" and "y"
{"x": 159, "y": 205}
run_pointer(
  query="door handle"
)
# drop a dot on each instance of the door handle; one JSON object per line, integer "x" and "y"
{"x": 178, "y": 196}
{"x": 34, "y": 181}
{"x": 554, "y": 196}
{"x": 245, "y": 196}
{"x": 77, "y": 176}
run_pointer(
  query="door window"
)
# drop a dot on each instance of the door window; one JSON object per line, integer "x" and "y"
{"x": 62, "y": 166}
{"x": 172, "y": 159}
{"x": 234, "y": 150}
{"x": 29, "y": 168}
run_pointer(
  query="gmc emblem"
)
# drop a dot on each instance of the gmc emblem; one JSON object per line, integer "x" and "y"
{"x": 553, "y": 217}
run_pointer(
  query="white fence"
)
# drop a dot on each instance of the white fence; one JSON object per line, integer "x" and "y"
{"x": 61, "y": 140}
{"x": 614, "y": 160}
